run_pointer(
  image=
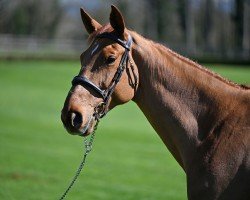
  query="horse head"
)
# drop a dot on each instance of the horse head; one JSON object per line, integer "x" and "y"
{"x": 108, "y": 76}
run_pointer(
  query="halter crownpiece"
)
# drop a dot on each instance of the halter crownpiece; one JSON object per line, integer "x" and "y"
{"x": 106, "y": 93}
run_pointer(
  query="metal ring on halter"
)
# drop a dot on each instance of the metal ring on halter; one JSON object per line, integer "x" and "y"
{"x": 100, "y": 110}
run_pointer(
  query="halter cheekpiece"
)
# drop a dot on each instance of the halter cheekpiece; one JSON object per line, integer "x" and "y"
{"x": 101, "y": 109}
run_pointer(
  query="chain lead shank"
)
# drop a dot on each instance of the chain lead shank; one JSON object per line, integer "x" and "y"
{"x": 88, "y": 144}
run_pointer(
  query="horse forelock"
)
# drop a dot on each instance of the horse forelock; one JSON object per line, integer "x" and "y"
{"x": 103, "y": 29}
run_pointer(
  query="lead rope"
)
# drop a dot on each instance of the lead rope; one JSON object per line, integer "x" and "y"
{"x": 88, "y": 144}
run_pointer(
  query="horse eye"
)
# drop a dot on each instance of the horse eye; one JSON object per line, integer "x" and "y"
{"x": 110, "y": 60}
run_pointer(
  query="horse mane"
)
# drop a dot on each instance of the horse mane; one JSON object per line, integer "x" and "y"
{"x": 206, "y": 70}
{"x": 194, "y": 64}
{"x": 108, "y": 28}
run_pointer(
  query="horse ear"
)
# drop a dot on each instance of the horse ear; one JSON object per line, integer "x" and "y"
{"x": 116, "y": 20}
{"x": 90, "y": 24}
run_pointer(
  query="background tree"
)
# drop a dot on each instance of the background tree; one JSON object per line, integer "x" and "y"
{"x": 190, "y": 26}
{"x": 238, "y": 23}
{"x": 194, "y": 28}
{"x": 208, "y": 24}
{"x": 246, "y": 28}
{"x": 30, "y": 17}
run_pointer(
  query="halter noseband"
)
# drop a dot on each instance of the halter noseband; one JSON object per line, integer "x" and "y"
{"x": 101, "y": 109}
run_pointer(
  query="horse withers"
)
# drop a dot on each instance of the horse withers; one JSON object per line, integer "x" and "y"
{"x": 202, "y": 118}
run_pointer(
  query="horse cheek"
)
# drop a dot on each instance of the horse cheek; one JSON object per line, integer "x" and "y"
{"x": 123, "y": 93}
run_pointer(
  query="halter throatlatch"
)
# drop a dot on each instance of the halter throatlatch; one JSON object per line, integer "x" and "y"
{"x": 105, "y": 94}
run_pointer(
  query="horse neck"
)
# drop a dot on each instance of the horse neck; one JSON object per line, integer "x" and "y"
{"x": 182, "y": 101}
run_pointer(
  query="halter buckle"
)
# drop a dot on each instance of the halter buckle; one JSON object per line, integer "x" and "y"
{"x": 100, "y": 110}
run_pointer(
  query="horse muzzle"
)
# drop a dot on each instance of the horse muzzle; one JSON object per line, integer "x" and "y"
{"x": 75, "y": 124}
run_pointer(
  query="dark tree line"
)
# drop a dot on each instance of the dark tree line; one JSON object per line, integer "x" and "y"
{"x": 190, "y": 26}
{"x": 193, "y": 26}
{"x": 30, "y": 17}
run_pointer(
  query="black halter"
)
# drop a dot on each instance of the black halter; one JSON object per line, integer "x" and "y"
{"x": 101, "y": 109}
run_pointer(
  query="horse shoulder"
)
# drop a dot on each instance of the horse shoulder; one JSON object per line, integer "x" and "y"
{"x": 223, "y": 161}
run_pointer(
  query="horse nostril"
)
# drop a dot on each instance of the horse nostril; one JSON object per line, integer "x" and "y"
{"x": 76, "y": 119}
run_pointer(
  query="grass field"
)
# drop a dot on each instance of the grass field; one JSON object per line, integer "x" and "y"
{"x": 38, "y": 158}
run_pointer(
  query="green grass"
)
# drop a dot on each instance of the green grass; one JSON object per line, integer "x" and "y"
{"x": 38, "y": 158}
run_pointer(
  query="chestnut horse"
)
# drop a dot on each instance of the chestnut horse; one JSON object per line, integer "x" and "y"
{"x": 202, "y": 118}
